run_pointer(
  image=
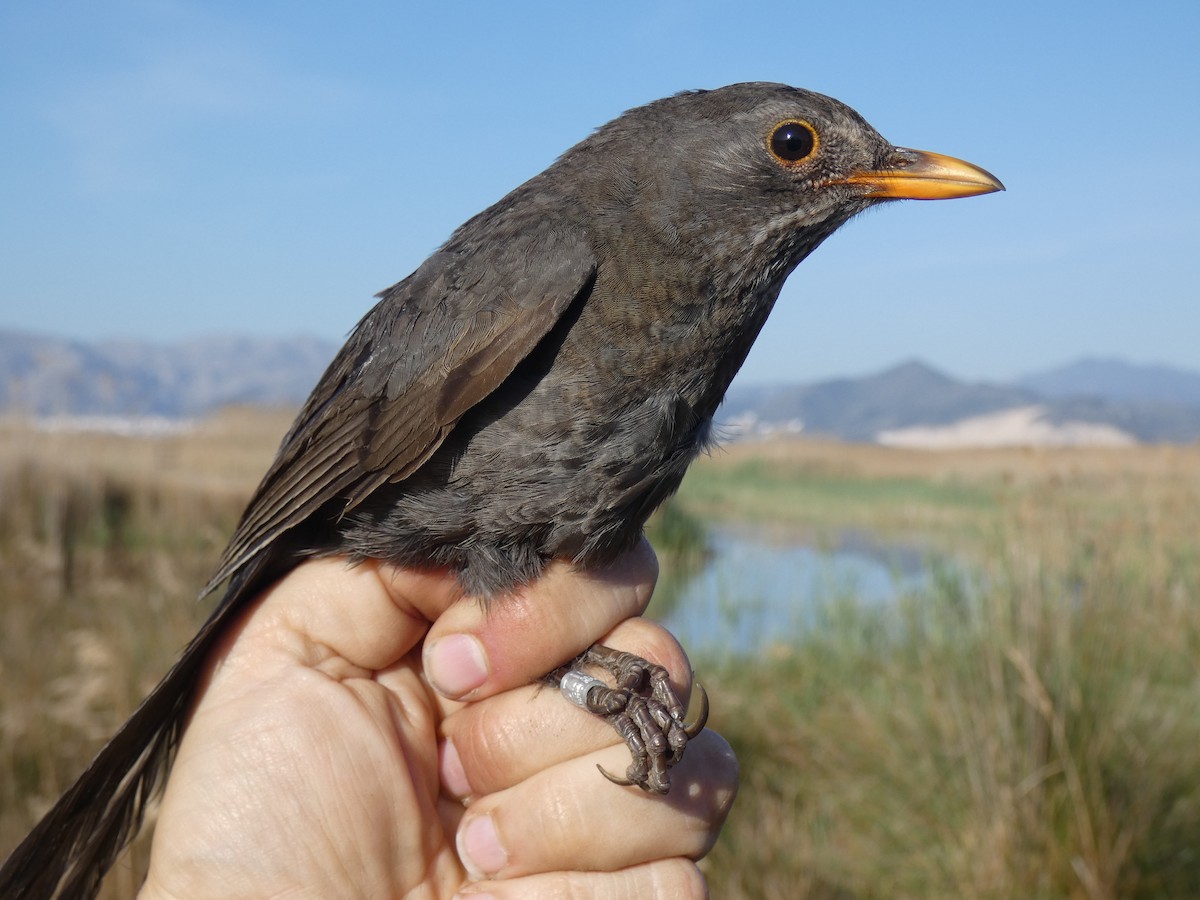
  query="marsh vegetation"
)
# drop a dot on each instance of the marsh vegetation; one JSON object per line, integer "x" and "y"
{"x": 1022, "y": 724}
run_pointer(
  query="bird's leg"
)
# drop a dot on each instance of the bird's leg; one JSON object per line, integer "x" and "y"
{"x": 642, "y": 708}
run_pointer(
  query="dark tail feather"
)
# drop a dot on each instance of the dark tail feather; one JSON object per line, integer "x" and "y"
{"x": 68, "y": 852}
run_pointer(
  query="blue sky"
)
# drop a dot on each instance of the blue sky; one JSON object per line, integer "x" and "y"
{"x": 175, "y": 168}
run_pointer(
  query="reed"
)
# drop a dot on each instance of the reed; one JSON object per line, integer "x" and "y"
{"x": 1027, "y": 730}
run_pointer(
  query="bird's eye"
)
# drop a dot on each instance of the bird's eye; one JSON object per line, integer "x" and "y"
{"x": 792, "y": 141}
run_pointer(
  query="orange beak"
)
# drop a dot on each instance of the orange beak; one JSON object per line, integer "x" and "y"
{"x": 920, "y": 175}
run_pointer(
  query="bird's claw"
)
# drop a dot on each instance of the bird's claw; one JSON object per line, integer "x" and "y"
{"x": 697, "y": 716}
{"x": 615, "y": 779}
{"x": 642, "y": 708}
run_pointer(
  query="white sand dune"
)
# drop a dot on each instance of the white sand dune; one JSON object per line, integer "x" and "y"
{"x": 1020, "y": 426}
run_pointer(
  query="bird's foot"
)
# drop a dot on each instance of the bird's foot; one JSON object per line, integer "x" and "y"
{"x": 642, "y": 708}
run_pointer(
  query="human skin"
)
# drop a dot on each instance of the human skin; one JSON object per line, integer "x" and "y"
{"x": 367, "y": 731}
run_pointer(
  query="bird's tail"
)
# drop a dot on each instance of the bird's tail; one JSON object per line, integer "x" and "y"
{"x": 68, "y": 852}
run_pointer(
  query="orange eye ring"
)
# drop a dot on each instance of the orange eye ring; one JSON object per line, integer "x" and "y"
{"x": 792, "y": 142}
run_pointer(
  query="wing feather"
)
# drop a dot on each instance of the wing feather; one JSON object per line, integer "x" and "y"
{"x": 435, "y": 345}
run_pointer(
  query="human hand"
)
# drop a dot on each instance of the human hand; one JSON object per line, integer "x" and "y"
{"x": 312, "y": 766}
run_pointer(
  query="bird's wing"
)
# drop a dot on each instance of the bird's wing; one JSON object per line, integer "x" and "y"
{"x": 435, "y": 345}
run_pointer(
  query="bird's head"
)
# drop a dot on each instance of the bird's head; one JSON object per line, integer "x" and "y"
{"x": 754, "y": 173}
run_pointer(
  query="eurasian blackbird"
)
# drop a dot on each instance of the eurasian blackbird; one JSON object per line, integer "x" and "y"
{"x": 533, "y": 391}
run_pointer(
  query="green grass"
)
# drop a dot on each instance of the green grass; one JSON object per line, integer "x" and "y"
{"x": 1031, "y": 733}
{"x": 791, "y": 497}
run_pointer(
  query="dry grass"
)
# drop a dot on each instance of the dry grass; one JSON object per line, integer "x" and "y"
{"x": 1029, "y": 734}
{"x": 956, "y": 496}
{"x": 104, "y": 543}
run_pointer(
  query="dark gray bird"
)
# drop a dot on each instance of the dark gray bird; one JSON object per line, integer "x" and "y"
{"x": 533, "y": 391}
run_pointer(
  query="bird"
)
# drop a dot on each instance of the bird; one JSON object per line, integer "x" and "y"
{"x": 531, "y": 392}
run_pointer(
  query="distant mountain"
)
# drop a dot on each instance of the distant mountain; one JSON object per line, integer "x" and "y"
{"x": 47, "y": 376}
{"x": 858, "y": 409}
{"x": 1117, "y": 381}
{"x": 1091, "y": 400}
{"x": 915, "y": 396}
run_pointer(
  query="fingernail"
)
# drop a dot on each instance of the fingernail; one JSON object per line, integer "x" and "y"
{"x": 456, "y": 665}
{"x": 454, "y": 777}
{"x": 479, "y": 847}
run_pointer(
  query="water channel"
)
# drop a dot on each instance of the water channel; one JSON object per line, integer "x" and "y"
{"x": 756, "y": 589}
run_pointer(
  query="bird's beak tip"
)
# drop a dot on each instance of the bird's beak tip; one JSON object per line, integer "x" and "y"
{"x": 921, "y": 175}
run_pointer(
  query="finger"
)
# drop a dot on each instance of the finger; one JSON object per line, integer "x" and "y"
{"x": 498, "y": 742}
{"x": 675, "y": 878}
{"x": 329, "y": 612}
{"x": 476, "y": 650}
{"x": 561, "y": 818}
